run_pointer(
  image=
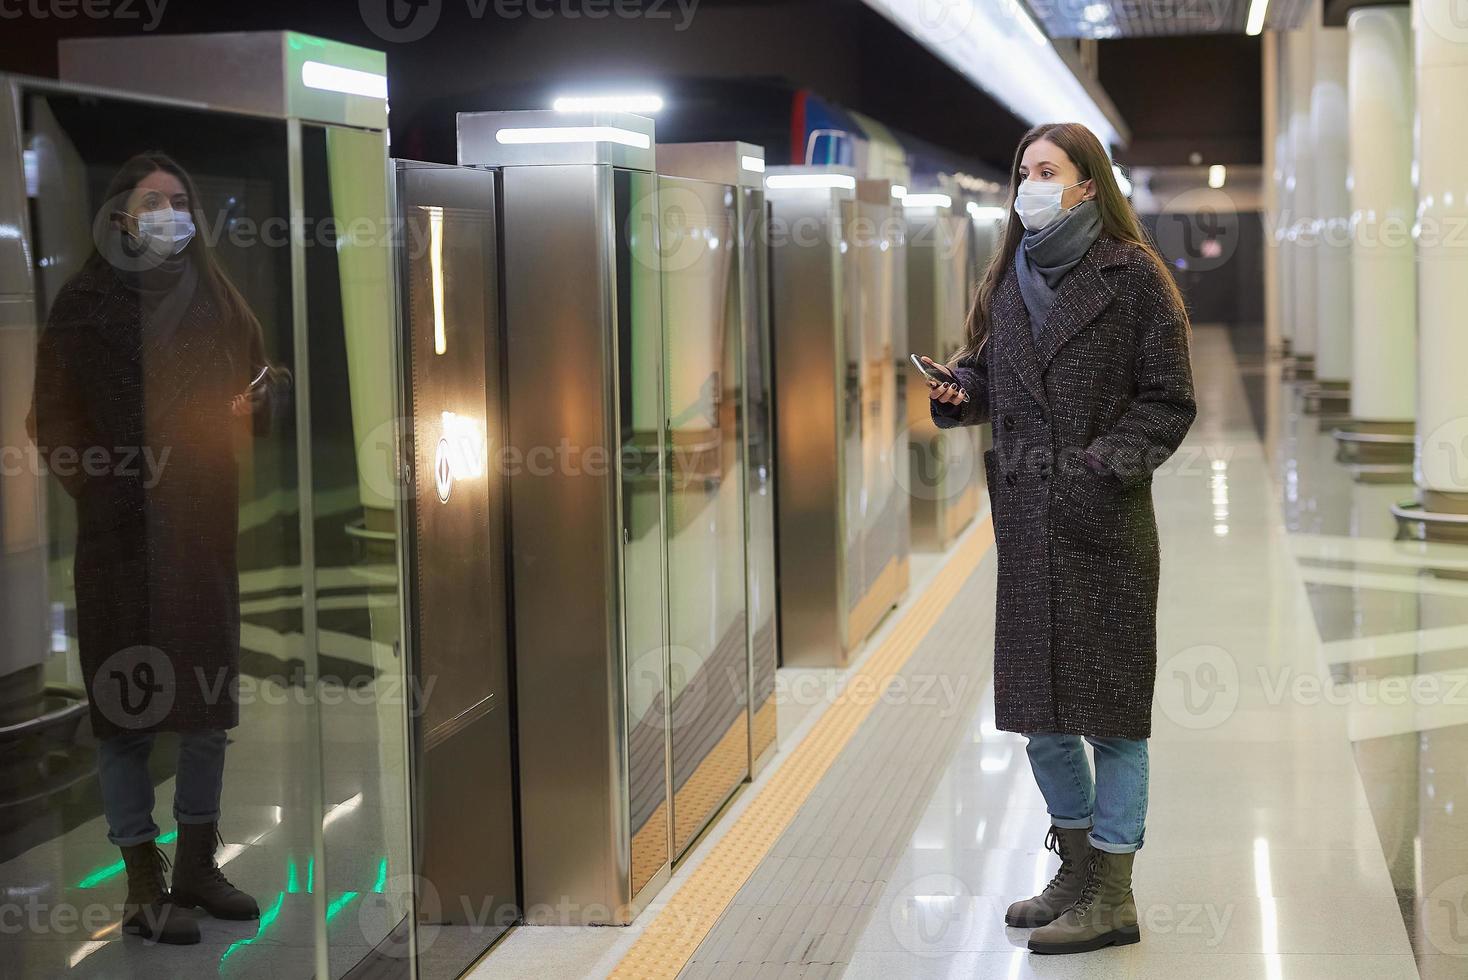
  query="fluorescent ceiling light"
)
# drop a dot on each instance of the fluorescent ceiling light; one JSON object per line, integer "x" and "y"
{"x": 1255, "y": 24}
{"x": 981, "y": 211}
{"x": 899, "y": 191}
{"x": 998, "y": 46}
{"x": 752, "y": 164}
{"x": 927, "y": 201}
{"x": 1217, "y": 174}
{"x": 645, "y": 102}
{"x": 811, "y": 182}
{"x": 348, "y": 81}
{"x": 573, "y": 134}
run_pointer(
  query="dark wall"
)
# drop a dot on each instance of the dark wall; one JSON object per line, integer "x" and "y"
{"x": 1182, "y": 95}
{"x": 1229, "y": 291}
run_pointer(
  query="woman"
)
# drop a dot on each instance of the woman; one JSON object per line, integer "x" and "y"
{"x": 1077, "y": 354}
{"x": 150, "y": 364}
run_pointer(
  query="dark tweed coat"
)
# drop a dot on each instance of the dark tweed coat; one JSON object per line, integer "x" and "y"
{"x": 1081, "y": 418}
{"x": 157, "y": 586}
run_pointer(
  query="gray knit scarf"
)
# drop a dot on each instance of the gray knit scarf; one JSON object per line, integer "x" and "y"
{"x": 1045, "y": 256}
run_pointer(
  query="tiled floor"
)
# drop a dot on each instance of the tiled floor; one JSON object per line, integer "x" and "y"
{"x": 1302, "y": 823}
{"x": 1309, "y": 795}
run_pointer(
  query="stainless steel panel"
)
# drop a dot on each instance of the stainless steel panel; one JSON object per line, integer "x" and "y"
{"x": 585, "y": 413}
{"x": 619, "y": 139}
{"x": 759, "y": 473}
{"x": 248, "y": 71}
{"x": 734, "y": 163}
{"x": 458, "y": 639}
{"x": 942, "y": 464}
{"x": 642, "y": 454}
{"x": 23, "y": 591}
{"x": 878, "y": 243}
{"x": 709, "y": 640}
{"x": 811, "y": 290}
{"x": 740, "y": 167}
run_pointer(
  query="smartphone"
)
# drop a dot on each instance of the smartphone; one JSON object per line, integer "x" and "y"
{"x": 934, "y": 375}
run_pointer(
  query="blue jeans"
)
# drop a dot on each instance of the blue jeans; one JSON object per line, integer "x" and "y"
{"x": 1114, "y": 806}
{"x": 127, "y": 788}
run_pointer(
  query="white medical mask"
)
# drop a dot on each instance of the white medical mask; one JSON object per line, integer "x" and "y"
{"x": 165, "y": 231}
{"x": 1037, "y": 202}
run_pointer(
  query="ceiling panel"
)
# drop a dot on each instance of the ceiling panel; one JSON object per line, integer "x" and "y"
{"x": 1158, "y": 18}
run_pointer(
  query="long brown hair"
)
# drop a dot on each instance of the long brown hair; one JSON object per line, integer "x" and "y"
{"x": 132, "y": 173}
{"x": 1118, "y": 220}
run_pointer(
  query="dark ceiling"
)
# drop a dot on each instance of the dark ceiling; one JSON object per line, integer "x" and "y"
{"x": 728, "y": 69}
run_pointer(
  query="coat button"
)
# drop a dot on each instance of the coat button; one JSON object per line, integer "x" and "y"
{"x": 1009, "y": 423}
{"x": 1009, "y": 478}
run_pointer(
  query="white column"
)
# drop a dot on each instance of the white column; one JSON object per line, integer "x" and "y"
{"x": 1332, "y": 207}
{"x": 1441, "y": 35}
{"x": 1300, "y": 188}
{"x": 1273, "y": 185}
{"x": 1383, "y": 270}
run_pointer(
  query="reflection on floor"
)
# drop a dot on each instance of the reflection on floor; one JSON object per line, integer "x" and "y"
{"x": 1393, "y": 622}
{"x": 1282, "y": 825}
{"x": 58, "y": 870}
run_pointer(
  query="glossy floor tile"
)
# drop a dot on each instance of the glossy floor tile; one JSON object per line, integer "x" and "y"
{"x": 1264, "y": 855}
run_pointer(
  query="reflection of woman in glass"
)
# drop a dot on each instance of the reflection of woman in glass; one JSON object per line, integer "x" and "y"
{"x": 150, "y": 364}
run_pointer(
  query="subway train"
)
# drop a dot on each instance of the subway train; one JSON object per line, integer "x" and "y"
{"x": 587, "y": 432}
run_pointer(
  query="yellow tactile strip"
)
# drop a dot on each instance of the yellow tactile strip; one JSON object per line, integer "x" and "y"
{"x": 671, "y": 938}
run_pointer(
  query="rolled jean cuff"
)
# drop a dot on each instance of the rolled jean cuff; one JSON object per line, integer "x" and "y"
{"x": 195, "y": 817}
{"x": 1110, "y": 848}
{"x": 1069, "y": 823}
{"x": 134, "y": 841}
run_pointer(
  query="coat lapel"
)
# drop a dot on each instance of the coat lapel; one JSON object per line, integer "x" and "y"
{"x": 1011, "y": 322}
{"x": 1083, "y": 294}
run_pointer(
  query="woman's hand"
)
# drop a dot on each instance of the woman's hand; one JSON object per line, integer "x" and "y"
{"x": 949, "y": 392}
{"x": 248, "y": 402}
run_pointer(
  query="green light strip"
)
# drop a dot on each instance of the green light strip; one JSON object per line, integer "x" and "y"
{"x": 112, "y": 870}
{"x": 339, "y": 904}
{"x": 381, "y": 882}
{"x": 266, "y": 918}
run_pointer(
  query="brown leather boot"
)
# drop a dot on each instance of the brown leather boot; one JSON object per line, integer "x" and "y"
{"x": 149, "y": 911}
{"x": 1105, "y": 914}
{"x": 199, "y": 883}
{"x": 1073, "y": 844}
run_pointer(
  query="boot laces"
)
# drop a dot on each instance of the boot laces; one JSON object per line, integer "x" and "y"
{"x": 1095, "y": 870}
{"x": 212, "y": 870}
{"x": 1055, "y": 844}
{"x": 155, "y": 874}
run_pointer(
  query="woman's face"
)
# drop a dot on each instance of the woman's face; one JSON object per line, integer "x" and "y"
{"x": 1043, "y": 160}
{"x": 159, "y": 191}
